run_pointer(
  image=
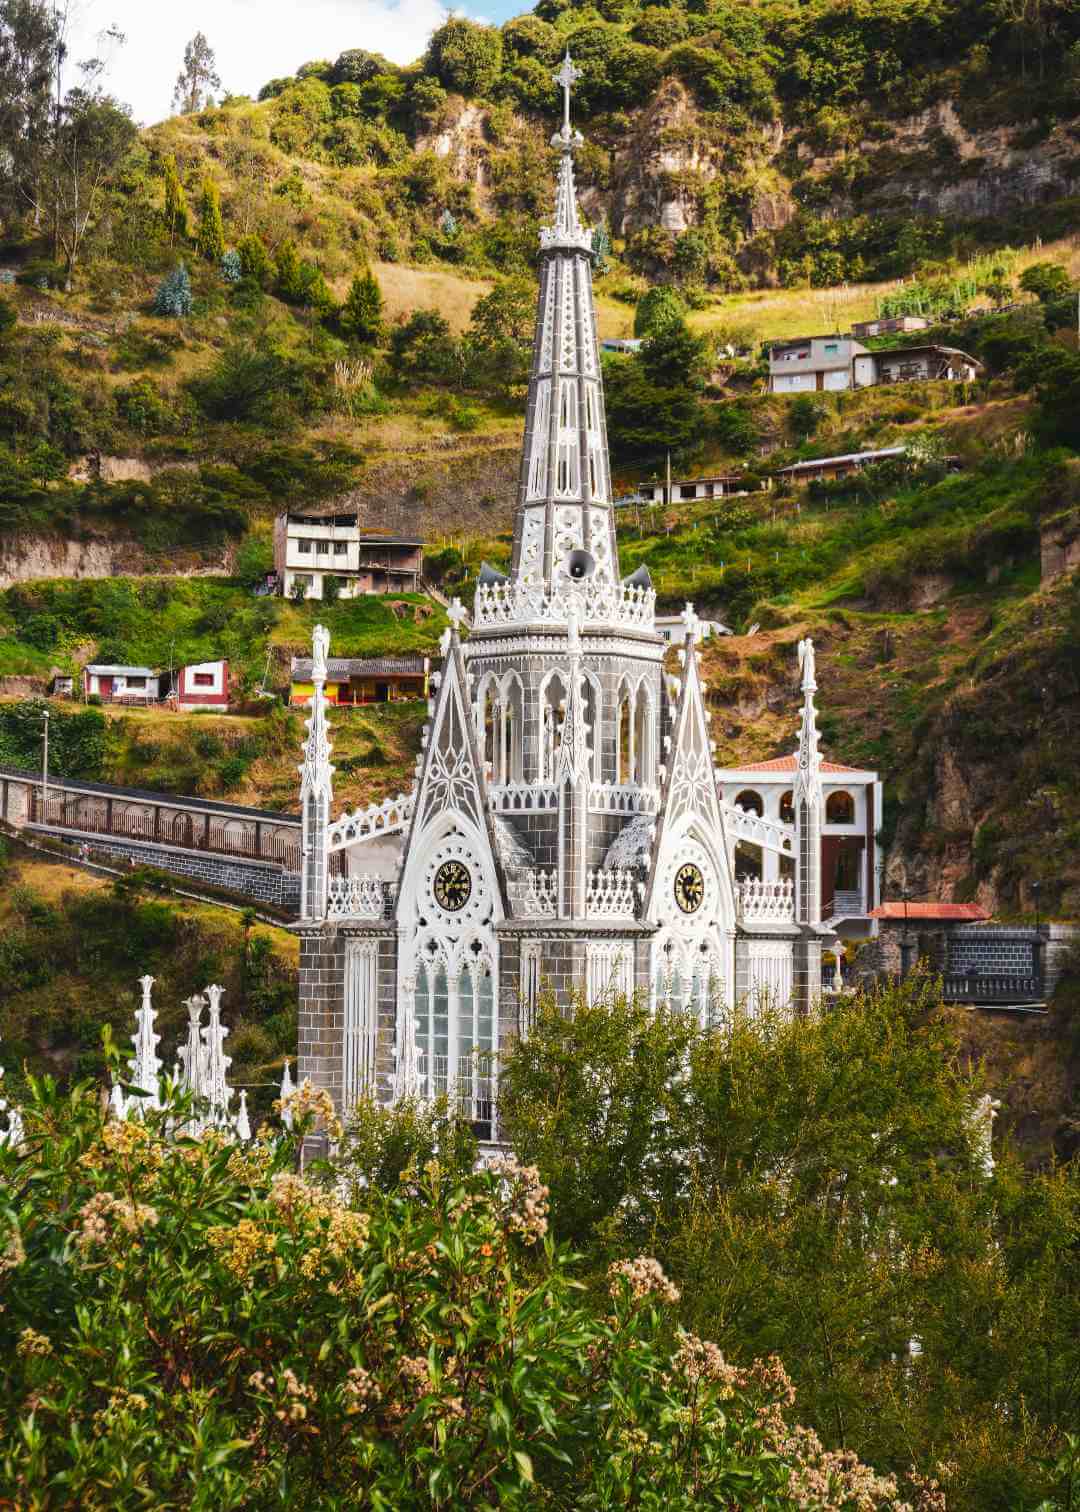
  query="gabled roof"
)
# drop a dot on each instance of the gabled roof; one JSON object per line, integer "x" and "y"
{"x": 789, "y": 764}
{"x": 969, "y": 913}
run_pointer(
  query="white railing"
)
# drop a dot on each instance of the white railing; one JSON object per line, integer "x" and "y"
{"x": 766, "y": 902}
{"x": 521, "y": 603}
{"x": 524, "y": 797}
{"x": 377, "y": 819}
{"x": 541, "y": 892}
{"x": 847, "y": 904}
{"x": 609, "y": 798}
{"x": 771, "y": 834}
{"x": 356, "y": 898}
{"x": 611, "y": 894}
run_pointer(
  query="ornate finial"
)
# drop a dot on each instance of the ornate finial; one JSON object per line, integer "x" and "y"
{"x": 808, "y": 773}
{"x": 457, "y": 614}
{"x": 692, "y": 624}
{"x": 808, "y": 666}
{"x": 320, "y": 645}
{"x": 566, "y": 78}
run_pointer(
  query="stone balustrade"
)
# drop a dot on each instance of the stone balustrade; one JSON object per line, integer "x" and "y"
{"x": 626, "y": 798}
{"x": 591, "y": 602}
{"x": 357, "y": 898}
{"x": 611, "y": 894}
{"x": 524, "y": 798}
{"x": 385, "y": 818}
{"x": 766, "y": 902}
{"x": 541, "y": 895}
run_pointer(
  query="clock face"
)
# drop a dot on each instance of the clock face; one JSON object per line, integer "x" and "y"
{"x": 689, "y": 888}
{"x": 453, "y": 886}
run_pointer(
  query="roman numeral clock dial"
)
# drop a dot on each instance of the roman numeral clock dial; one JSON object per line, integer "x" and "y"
{"x": 453, "y": 886}
{"x": 689, "y": 888}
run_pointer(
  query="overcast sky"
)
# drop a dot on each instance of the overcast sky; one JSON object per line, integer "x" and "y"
{"x": 255, "y": 40}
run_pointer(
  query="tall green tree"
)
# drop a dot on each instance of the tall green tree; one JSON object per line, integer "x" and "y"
{"x": 89, "y": 140}
{"x": 361, "y": 316}
{"x": 198, "y": 77}
{"x": 210, "y": 236}
{"x": 175, "y": 208}
{"x": 28, "y": 39}
{"x": 465, "y": 56}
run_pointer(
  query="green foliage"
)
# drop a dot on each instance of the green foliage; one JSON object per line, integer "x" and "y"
{"x": 210, "y": 236}
{"x": 175, "y": 210}
{"x": 428, "y": 1349}
{"x": 1047, "y": 281}
{"x": 77, "y": 742}
{"x": 657, "y": 308}
{"x": 674, "y": 356}
{"x": 465, "y": 56}
{"x": 255, "y": 260}
{"x": 850, "y": 1220}
{"x": 360, "y": 318}
{"x": 356, "y": 66}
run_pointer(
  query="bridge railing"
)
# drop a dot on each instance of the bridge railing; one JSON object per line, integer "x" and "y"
{"x": 247, "y": 839}
{"x": 968, "y": 987}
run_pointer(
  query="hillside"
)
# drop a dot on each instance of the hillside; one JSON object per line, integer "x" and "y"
{"x": 359, "y": 246}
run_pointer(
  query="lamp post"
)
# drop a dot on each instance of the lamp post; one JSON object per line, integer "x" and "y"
{"x": 45, "y": 765}
{"x": 905, "y": 944}
{"x": 1036, "y": 888}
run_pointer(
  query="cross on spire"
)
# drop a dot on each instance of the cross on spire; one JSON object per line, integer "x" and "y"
{"x": 566, "y": 78}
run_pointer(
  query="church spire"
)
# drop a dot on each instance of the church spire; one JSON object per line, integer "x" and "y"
{"x": 565, "y": 529}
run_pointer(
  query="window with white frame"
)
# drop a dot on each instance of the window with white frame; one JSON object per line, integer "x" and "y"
{"x": 455, "y": 1028}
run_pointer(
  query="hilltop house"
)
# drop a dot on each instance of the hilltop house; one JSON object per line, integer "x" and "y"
{"x": 895, "y": 325}
{"x": 312, "y": 545}
{"x": 718, "y": 486}
{"x": 828, "y": 364}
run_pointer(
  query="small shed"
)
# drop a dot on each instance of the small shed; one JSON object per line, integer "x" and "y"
{"x": 118, "y": 684}
{"x": 203, "y": 686}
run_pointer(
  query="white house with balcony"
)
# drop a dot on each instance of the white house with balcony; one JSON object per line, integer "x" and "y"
{"x": 311, "y": 546}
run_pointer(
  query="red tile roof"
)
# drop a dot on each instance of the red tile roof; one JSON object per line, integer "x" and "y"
{"x": 970, "y": 913}
{"x": 788, "y": 764}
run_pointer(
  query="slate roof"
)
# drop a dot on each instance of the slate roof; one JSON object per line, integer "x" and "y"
{"x": 360, "y": 666}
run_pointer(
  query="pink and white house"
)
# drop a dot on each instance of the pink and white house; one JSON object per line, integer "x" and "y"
{"x": 204, "y": 686}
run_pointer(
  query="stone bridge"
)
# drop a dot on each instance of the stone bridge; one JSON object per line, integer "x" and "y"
{"x": 251, "y": 851}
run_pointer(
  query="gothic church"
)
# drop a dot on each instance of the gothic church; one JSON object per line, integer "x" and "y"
{"x": 566, "y": 832}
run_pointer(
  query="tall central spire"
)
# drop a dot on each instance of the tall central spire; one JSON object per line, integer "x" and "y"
{"x": 565, "y": 528}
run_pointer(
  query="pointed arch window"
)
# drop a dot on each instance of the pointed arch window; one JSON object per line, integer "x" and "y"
{"x": 552, "y": 714}
{"x": 456, "y": 1029}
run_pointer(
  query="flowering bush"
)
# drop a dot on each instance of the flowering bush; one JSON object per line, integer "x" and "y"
{"x": 192, "y": 1323}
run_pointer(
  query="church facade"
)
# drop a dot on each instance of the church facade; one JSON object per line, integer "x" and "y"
{"x": 567, "y": 832}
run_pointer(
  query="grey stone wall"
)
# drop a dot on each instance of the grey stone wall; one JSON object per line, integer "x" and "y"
{"x": 260, "y": 880}
{"x": 991, "y": 950}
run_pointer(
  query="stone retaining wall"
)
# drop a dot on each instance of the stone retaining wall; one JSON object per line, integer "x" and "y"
{"x": 255, "y": 879}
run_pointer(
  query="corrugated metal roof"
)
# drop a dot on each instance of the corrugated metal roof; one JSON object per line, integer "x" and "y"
{"x": 970, "y": 912}
{"x": 103, "y": 670}
{"x": 866, "y": 456}
{"x": 359, "y": 666}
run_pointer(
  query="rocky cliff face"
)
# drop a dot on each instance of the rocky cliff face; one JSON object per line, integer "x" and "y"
{"x": 669, "y": 155}
{"x": 27, "y": 557}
